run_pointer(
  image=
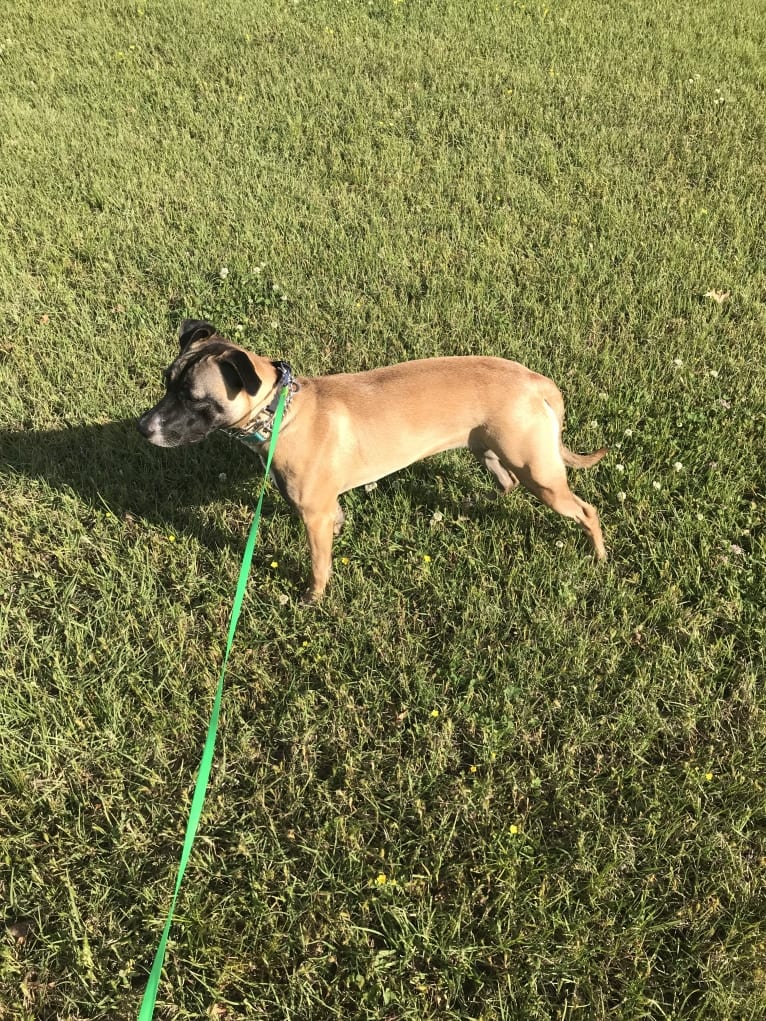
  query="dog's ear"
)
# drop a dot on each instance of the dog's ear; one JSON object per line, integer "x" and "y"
{"x": 194, "y": 329}
{"x": 238, "y": 370}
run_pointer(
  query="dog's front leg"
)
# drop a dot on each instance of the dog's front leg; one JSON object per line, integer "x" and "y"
{"x": 320, "y": 527}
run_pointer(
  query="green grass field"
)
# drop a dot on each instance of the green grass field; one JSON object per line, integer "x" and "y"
{"x": 486, "y": 778}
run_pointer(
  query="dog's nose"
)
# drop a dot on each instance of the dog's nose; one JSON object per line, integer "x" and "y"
{"x": 145, "y": 425}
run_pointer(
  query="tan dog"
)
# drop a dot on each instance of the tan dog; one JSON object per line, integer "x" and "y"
{"x": 347, "y": 430}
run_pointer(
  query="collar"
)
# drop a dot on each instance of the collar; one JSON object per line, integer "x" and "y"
{"x": 260, "y": 428}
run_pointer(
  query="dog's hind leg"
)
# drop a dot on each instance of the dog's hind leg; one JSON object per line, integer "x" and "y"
{"x": 540, "y": 462}
{"x": 551, "y": 487}
{"x": 505, "y": 479}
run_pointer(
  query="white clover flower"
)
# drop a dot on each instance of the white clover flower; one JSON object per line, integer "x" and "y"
{"x": 713, "y": 373}
{"x": 619, "y": 468}
{"x": 678, "y": 362}
{"x": 737, "y": 550}
{"x": 677, "y": 466}
{"x": 628, "y": 433}
{"x": 656, "y": 485}
{"x": 621, "y": 496}
{"x": 223, "y": 272}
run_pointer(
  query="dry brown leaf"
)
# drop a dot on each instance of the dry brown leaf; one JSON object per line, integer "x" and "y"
{"x": 719, "y": 296}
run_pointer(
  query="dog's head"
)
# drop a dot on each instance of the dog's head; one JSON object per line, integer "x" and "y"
{"x": 211, "y": 385}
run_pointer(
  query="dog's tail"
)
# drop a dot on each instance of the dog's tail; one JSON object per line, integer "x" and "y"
{"x": 582, "y": 460}
{"x": 554, "y": 402}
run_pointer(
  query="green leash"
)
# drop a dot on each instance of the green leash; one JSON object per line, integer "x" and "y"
{"x": 146, "y": 1012}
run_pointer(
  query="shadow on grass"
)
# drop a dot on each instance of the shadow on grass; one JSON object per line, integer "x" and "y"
{"x": 111, "y": 467}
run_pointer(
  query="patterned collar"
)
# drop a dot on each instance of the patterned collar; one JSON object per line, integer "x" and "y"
{"x": 259, "y": 430}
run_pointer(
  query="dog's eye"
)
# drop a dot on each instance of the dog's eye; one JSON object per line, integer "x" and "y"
{"x": 194, "y": 402}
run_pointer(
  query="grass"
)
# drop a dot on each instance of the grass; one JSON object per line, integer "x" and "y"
{"x": 499, "y": 783}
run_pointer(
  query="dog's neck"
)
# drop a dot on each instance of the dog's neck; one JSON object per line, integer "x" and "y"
{"x": 259, "y": 428}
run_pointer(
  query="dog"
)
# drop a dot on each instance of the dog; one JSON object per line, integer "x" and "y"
{"x": 351, "y": 429}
